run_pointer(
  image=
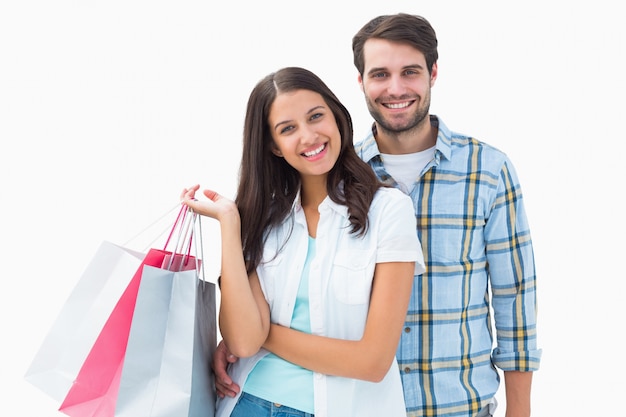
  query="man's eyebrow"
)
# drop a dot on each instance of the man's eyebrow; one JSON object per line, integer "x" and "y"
{"x": 376, "y": 69}
{"x": 412, "y": 66}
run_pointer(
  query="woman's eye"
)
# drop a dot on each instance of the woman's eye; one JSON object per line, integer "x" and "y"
{"x": 286, "y": 129}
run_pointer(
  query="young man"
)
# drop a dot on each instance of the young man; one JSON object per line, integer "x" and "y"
{"x": 473, "y": 229}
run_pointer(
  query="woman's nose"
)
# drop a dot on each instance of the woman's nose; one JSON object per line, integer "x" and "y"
{"x": 309, "y": 134}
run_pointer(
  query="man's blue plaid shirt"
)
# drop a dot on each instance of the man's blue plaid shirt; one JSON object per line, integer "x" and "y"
{"x": 479, "y": 258}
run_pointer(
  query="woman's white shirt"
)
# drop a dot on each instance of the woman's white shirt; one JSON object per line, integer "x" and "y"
{"x": 340, "y": 283}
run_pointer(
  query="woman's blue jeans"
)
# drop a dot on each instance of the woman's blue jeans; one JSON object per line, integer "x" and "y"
{"x": 251, "y": 406}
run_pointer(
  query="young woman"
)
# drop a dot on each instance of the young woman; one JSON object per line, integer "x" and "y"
{"x": 318, "y": 262}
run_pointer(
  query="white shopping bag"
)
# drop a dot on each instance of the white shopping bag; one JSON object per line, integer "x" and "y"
{"x": 81, "y": 319}
{"x": 173, "y": 334}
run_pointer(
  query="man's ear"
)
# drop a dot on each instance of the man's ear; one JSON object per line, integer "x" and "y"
{"x": 360, "y": 81}
{"x": 433, "y": 75}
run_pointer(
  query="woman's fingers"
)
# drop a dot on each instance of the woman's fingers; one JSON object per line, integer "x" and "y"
{"x": 211, "y": 195}
{"x": 189, "y": 193}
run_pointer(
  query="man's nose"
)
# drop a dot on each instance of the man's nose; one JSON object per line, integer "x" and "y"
{"x": 395, "y": 86}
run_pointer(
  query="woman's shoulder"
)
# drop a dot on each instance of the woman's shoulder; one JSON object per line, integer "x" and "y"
{"x": 390, "y": 198}
{"x": 392, "y": 214}
{"x": 390, "y": 194}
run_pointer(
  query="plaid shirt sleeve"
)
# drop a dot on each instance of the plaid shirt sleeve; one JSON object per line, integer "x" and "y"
{"x": 512, "y": 274}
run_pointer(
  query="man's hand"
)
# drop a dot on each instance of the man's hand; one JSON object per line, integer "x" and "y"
{"x": 223, "y": 383}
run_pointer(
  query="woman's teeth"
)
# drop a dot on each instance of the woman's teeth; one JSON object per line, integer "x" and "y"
{"x": 315, "y": 151}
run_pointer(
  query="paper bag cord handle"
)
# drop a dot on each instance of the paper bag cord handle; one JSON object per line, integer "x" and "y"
{"x": 179, "y": 223}
{"x": 200, "y": 254}
{"x": 185, "y": 236}
{"x": 145, "y": 229}
{"x": 187, "y": 227}
{"x": 181, "y": 213}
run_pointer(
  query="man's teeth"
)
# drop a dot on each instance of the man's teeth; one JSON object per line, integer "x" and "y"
{"x": 315, "y": 152}
{"x": 397, "y": 105}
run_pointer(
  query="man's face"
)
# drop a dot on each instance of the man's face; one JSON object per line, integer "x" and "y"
{"x": 396, "y": 84}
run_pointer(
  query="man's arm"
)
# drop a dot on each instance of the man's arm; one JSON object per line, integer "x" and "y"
{"x": 223, "y": 383}
{"x": 512, "y": 275}
{"x": 517, "y": 387}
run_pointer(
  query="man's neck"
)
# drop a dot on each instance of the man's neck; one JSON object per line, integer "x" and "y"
{"x": 420, "y": 138}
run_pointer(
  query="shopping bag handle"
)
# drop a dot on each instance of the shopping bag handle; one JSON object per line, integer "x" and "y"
{"x": 196, "y": 220}
{"x": 186, "y": 223}
{"x": 156, "y": 237}
{"x": 181, "y": 213}
{"x": 185, "y": 233}
{"x": 200, "y": 253}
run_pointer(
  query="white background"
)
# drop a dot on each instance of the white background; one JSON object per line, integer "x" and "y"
{"x": 109, "y": 108}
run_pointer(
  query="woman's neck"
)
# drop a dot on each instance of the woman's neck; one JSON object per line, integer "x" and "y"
{"x": 312, "y": 193}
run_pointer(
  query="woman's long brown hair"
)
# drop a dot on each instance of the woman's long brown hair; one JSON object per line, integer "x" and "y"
{"x": 268, "y": 185}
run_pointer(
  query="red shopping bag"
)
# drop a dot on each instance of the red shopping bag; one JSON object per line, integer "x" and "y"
{"x": 80, "y": 362}
{"x": 80, "y": 321}
{"x": 94, "y": 390}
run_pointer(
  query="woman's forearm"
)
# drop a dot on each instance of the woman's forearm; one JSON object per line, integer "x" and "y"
{"x": 340, "y": 357}
{"x": 243, "y": 324}
{"x": 368, "y": 358}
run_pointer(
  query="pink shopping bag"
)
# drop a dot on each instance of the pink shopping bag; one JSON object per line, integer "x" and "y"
{"x": 81, "y": 319}
{"x": 95, "y": 388}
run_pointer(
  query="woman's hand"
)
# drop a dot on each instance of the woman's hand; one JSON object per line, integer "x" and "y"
{"x": 217, "y": 206}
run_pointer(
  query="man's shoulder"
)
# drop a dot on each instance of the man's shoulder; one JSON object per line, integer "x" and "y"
{"x": 458, "y": 148}
{"x": 464, "y": 149}
{"x": 366, "y": 148}
{"x": 463, "y": 140}
{"x": 457, "y": 140}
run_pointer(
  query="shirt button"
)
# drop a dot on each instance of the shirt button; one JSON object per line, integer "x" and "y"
{"x": 407, "y": 330}
{"x": 407, "y": 369}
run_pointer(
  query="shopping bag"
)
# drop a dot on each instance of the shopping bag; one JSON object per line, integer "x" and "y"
{"x": 81, "y": 319}
{"x": 94, "y": 390}
{"x": 172, "y": 339}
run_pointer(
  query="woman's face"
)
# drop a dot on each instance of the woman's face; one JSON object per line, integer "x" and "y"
{"x": 305, "y": 132}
